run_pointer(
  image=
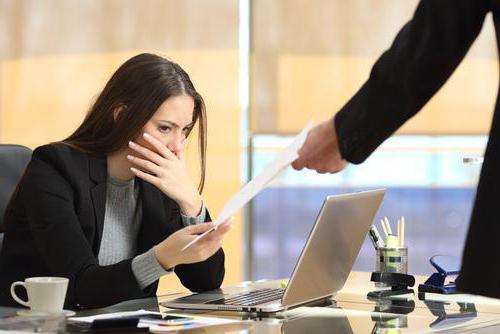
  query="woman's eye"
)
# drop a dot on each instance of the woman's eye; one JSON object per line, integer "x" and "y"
{"x": 164, "y": 129}
{"x": 186, "y": 131}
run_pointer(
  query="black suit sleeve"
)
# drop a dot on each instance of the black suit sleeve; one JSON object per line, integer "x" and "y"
{"x": 422, "y": 57}
{"x": 203, "y": 276}
{"x": 62, "y": 245}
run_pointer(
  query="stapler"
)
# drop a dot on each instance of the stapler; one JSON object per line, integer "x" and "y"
{"x": 447, "y": 267}
{"x": 399, "y": 284}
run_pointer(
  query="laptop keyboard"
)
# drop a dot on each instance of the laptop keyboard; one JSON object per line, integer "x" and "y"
{"x": 251, "y": 298}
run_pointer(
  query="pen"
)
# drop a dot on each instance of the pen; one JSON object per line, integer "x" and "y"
{"x": 399, "y": 232}
{"x": 402, "y": 232}
{"x": 384, "y": 228}
{"x": 389, "y": 230}
{"x": 380, "y": 241}
{"x": 375, "y": 237}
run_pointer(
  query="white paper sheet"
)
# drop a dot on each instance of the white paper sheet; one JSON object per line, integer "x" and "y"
{"x": 198, "y": 322}
{"x": 159, "y": 325}
{"x": 282, "y": 160}
{"x": 114, "y": 315}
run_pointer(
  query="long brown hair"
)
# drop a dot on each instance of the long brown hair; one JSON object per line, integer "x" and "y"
{"x": 140, "y": 86}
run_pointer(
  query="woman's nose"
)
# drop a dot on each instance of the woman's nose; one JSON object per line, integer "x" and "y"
{"x": 177, "y": 144}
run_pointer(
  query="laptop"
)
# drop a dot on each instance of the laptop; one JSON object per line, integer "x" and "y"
{"x": 323, "y": 266}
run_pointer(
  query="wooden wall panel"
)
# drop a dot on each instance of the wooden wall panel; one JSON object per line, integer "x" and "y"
{"x": 56, "y": 56}
{"x": 310, "y": 57}
{"x": 317, "y": 87}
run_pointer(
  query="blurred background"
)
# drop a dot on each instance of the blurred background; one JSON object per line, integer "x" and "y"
{"x": 264, "y": 68}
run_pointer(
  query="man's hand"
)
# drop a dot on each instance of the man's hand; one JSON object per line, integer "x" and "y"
{"x": 320, "y": 150}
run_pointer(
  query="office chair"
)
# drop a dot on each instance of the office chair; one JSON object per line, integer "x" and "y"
{"x": 13, "y": 161}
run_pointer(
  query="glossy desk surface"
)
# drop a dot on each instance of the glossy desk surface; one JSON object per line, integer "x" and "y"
{"x": 350, "y": 312}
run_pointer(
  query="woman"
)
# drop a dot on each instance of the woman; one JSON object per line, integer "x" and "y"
{"x": 111, "y": 206}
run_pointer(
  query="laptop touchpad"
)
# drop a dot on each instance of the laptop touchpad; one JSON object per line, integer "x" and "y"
{"x": 201, "y": 298}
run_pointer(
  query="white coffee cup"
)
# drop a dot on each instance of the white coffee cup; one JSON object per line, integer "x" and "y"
{"x": 45, "y": 294}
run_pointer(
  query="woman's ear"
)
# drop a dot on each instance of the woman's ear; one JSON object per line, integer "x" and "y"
{"x": 118, "y": 110}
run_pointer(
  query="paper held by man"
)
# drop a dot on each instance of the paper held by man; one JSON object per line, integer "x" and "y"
{"x": 282, "y": 160}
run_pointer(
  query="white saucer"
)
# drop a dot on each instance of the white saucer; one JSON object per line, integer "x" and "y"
{"x": 30, "y": 313}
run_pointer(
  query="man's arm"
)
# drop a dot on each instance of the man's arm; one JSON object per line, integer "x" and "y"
{"x": 422, "y": 57}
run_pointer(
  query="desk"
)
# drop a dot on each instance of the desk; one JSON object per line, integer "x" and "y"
{"x": 350, "y": 312}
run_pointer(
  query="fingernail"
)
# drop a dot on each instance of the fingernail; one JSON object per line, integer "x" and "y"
{"x": 146, "y": 135}
{"x": 129, "y": 157}
{"x": 133, "y": 169}
{"x": 132, "y": 144}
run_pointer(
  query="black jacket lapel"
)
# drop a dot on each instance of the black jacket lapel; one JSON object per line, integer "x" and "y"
{"x": 98, "y": 173}
{"x": 158, "y": 217}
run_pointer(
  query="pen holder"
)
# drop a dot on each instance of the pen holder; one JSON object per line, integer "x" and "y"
{"x": 392, "y": 260}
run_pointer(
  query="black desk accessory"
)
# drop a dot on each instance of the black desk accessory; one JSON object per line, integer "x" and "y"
{"x": 394, "y": 306}
{"x": 112, "y": 325}
{"x": 391, "y": 313}
{"x": 399, "y": 284}
{"x": 446, "y": 267}
{"x": 445, "y": 320}
{"x": 123, "y": 324}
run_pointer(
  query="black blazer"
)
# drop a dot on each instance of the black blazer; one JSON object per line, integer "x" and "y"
{"x": 422, "y": 57}
{"x": 54, "y": 224}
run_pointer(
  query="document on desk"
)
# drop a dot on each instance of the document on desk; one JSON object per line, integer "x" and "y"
{"x": 160, "y": 323}
{"x": 115, "y": 315}
{"x": 282, "y": 160}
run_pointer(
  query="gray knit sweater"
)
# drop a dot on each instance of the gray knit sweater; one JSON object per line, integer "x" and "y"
{"x": 122, "y": 220}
